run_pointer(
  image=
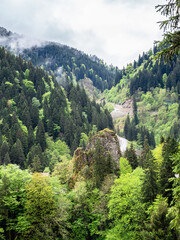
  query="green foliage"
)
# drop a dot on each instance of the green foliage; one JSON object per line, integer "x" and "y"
{"x": 171, "y": 40}
{"x": 83, "y": 140}
{"x": 125, "y": 207}
{"x": 40, "y": 207}
{"x": 12, "y": 199}
{"x": 159, "y": 225}
{"x": 125, "y": 167}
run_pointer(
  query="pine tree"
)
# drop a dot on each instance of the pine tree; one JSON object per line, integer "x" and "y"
{"x": 4, "y": 150}
{"x": 149, "y": 187}
{"x": 7, "y": 159}
{"x": 40, "y": 135}
{"x": 166, "y": 171}
{"x": 31, "y": 137}
{"x": 131, "y": 156}
{"x": 110, "y": 164}
{"x": 134, "y": 106}
{"x": 126, "y": 126}
{"x": 36, "y": 164}
{"x": 143, "y": 161}
{"x": 99, "y": 163}
{"x": 17, "y": 154}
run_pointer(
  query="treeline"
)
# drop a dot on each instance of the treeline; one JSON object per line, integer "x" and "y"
{"x": 33, "y": 106}
{"x": 156, "y": 74}
{"x": 52, "y": 56}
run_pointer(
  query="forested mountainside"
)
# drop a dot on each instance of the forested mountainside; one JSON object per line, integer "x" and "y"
{"x": 154, "y": 88}
{"x": 47, "y": 192}
{"x": 62, "y": 60}
{"x": 32, "y": 105}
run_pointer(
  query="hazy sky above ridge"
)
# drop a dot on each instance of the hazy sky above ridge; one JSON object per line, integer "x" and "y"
{"x": 116, "y": 31}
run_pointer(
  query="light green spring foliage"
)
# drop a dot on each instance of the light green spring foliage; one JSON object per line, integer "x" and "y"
{"x": 56, "y": 151}
{"x": 83, "y": 140}
{"x": 157, "y": 154}
{"x": 26, "y": 73}
{"x": 13, "y": 182}
{"x": 46, "y": 95}
{"x": 175, "y": 210}
{"x": 125, "y": 207}
{"x": 28, "y": 84}
{"x": 158, "y": 111}
{"x": 159, "y": 221}
{"x": 125, "y": 167}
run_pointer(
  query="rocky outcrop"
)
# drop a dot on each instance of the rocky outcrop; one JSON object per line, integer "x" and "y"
{"x": 109, "y": 141}
{"x": 84, "y": 161}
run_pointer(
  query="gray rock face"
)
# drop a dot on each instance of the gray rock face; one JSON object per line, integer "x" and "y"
{"x": 109, "y": 141}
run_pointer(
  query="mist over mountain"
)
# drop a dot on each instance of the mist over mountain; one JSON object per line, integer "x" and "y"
{"x": 62, "y": 174}
{"x": 60, "y": 59}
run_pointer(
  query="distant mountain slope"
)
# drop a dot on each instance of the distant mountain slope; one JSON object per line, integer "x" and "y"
{"x": 60, "y": 59}
{"x": 156, "y": 87}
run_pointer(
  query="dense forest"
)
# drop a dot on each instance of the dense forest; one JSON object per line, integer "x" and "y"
{"x": 154, "y": 87}
{"x": 62, "y": 174}
{"x": 32, "y": 105}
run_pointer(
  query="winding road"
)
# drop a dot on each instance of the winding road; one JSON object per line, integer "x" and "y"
{"x": 118, "y": 112}
{"x": 123, "y": 142}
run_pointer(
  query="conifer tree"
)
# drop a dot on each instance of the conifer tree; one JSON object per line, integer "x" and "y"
{"x": 17, "y": 154}
{"x": 131, "y": 156}
{"x": 149, "y": 187}
{"x": 166, "y": 171}
{"x": 99, "y": 165}
{"x": 7, "y": 159}
{"x": 126, "y": 126}
{"x": 4, "y": 150}
{"x": 40, "y": 135}
{"x": 143, "y": 161}
{"x": 36, "y": 164}
{"x": 31, "y": 137}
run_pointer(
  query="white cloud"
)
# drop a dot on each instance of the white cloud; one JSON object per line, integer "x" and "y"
{"x": 116, "y": 31}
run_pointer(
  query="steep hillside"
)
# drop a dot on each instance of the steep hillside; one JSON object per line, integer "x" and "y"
{"x": 35, "y": 111}
{"x": 155, "y": 87}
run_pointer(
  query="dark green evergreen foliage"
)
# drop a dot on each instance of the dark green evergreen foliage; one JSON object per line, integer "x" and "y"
{"x": 150, "y": 186}
{"x": 127, "y": 126}
{"x": 159, "y": 225}
{"x": 145, "y": 155}
{"x": 175, "y": 130}
{"x": 179, "y": 110}
{"x": 131, "y": 156}
{"x": 32, "y": 104}
{"x": 134, "y": 105}
{"x": 31, "y": 137}
{"x": 7, "y": 159}
{"x": 99, "y": 165}
{"x": 73, "y": 61}
{"x": 152, "y": 74}
{"x": 40, "y": 135}
{"x": 135, "y": 117}
{"x": 166, "y": 171}
{"x": 133, "y": 132}
{"x": 103, "y": 164}
{"x": 17, "y": 154}
{"x": 4, "y": 151}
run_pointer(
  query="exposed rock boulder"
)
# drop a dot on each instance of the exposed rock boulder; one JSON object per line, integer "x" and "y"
{"x": 109, "y": 141}
{"x": 85, "y": 162}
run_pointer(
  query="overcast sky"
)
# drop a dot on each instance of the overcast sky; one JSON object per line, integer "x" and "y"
{"x": 116, "y": 31}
